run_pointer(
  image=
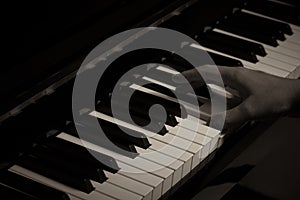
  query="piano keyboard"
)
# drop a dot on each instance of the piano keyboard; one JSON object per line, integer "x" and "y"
{"x": 178, "y": 151}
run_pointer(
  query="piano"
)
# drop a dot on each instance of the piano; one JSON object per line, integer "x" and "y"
{"x": 42, "y": 155}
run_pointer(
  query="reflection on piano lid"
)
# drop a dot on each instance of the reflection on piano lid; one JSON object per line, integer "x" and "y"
{"x": 40, "y": 146}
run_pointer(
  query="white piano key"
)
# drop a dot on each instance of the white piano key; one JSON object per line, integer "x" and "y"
{"x": 188, "y": 165}
{"x": 73, "y": 197}
{"x": 185, "y": 157}
{"x": 294, "y": 38}
{"x": 174, "y": 152}
{"x": 289, "y": 52}
{"x": 201, "y": 129}
{"x": 295, "y": 74}
{"x": 165, "y": 160}
{"x": 159, "y": 83}
{"x": 295, "y": 27}
{"x": 193, "y": 137}
{"x": 144, "y": 178}
{"x": 130, "y": 184}
{"x": 94, "y": 195}
{"x": 278, "y": 56}
{"x": 279, "y": 64}
{"x": 185, "y": 145}
{"x": 168, "y": 70}
{"x": 117, "y": 192}
{"x": 289, "y": 45}
{"x": 269, "y": 69}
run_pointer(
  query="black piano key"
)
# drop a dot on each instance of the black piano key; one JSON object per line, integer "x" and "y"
{"x": 74, "y": 151}
{"x": 146, "y": 100}
{"x": 198, "y": 16}
{"x": 251, "y": 24}
{"x": 202, "y": 91}
{"x": 172, "y": 120}
{"x": 163, "y": 90}
{"x": 141, "y": 121}
{"x": 141, "y": 111}
{"x": 228, "y": 26}
{"x": 136, "y": 138}
{"x": 48, "y": 170}
{"x": 73, "y": 166}
{"x": 181, "y": 65}
{"x": 261, "y": 22}
{"x": 237, "y": 43}
{"x": 166, "y": 78}
{"x": 30, "y": 187}
{"x": 219, "y": 45}
{"x": 116, "y": 133}
{"x": 276, "y": 10}
{"x": 177, "y": 63}
{"x": 171, "y": 107}
{"x": 92, "y": 137}
{"x": 225, "y": 61}
{"x": 294, "y": 3}
{"x": 8, "y": 193}
{"x": 126, "y": 147}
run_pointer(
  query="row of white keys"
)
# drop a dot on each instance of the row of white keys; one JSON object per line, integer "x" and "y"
{"x": 165, "y": 146}
{"x": 183, "y": 157}
{"x": 257, "y": 66}
{"x": 170, "y": 145}
{"x": 176, "y": 142}
{"x": 147, "y": 186}
{"x": 115, "y": 188}
{"x": 138, "y": 186}
{"x": 157, "y": 179}
{"x": 54, "y": 184}
{"x": 192, "y": 136}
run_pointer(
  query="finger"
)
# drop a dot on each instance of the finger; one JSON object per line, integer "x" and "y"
{"x": 231, "y": 118}
{"x": 191, "y": 76}
{"x": 206, "y": 74}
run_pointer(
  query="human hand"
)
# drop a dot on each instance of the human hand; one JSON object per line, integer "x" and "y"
{"x": 263, "y": 95}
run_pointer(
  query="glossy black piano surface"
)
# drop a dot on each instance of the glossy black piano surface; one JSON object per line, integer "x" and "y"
{"x": 48, "y": 40}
